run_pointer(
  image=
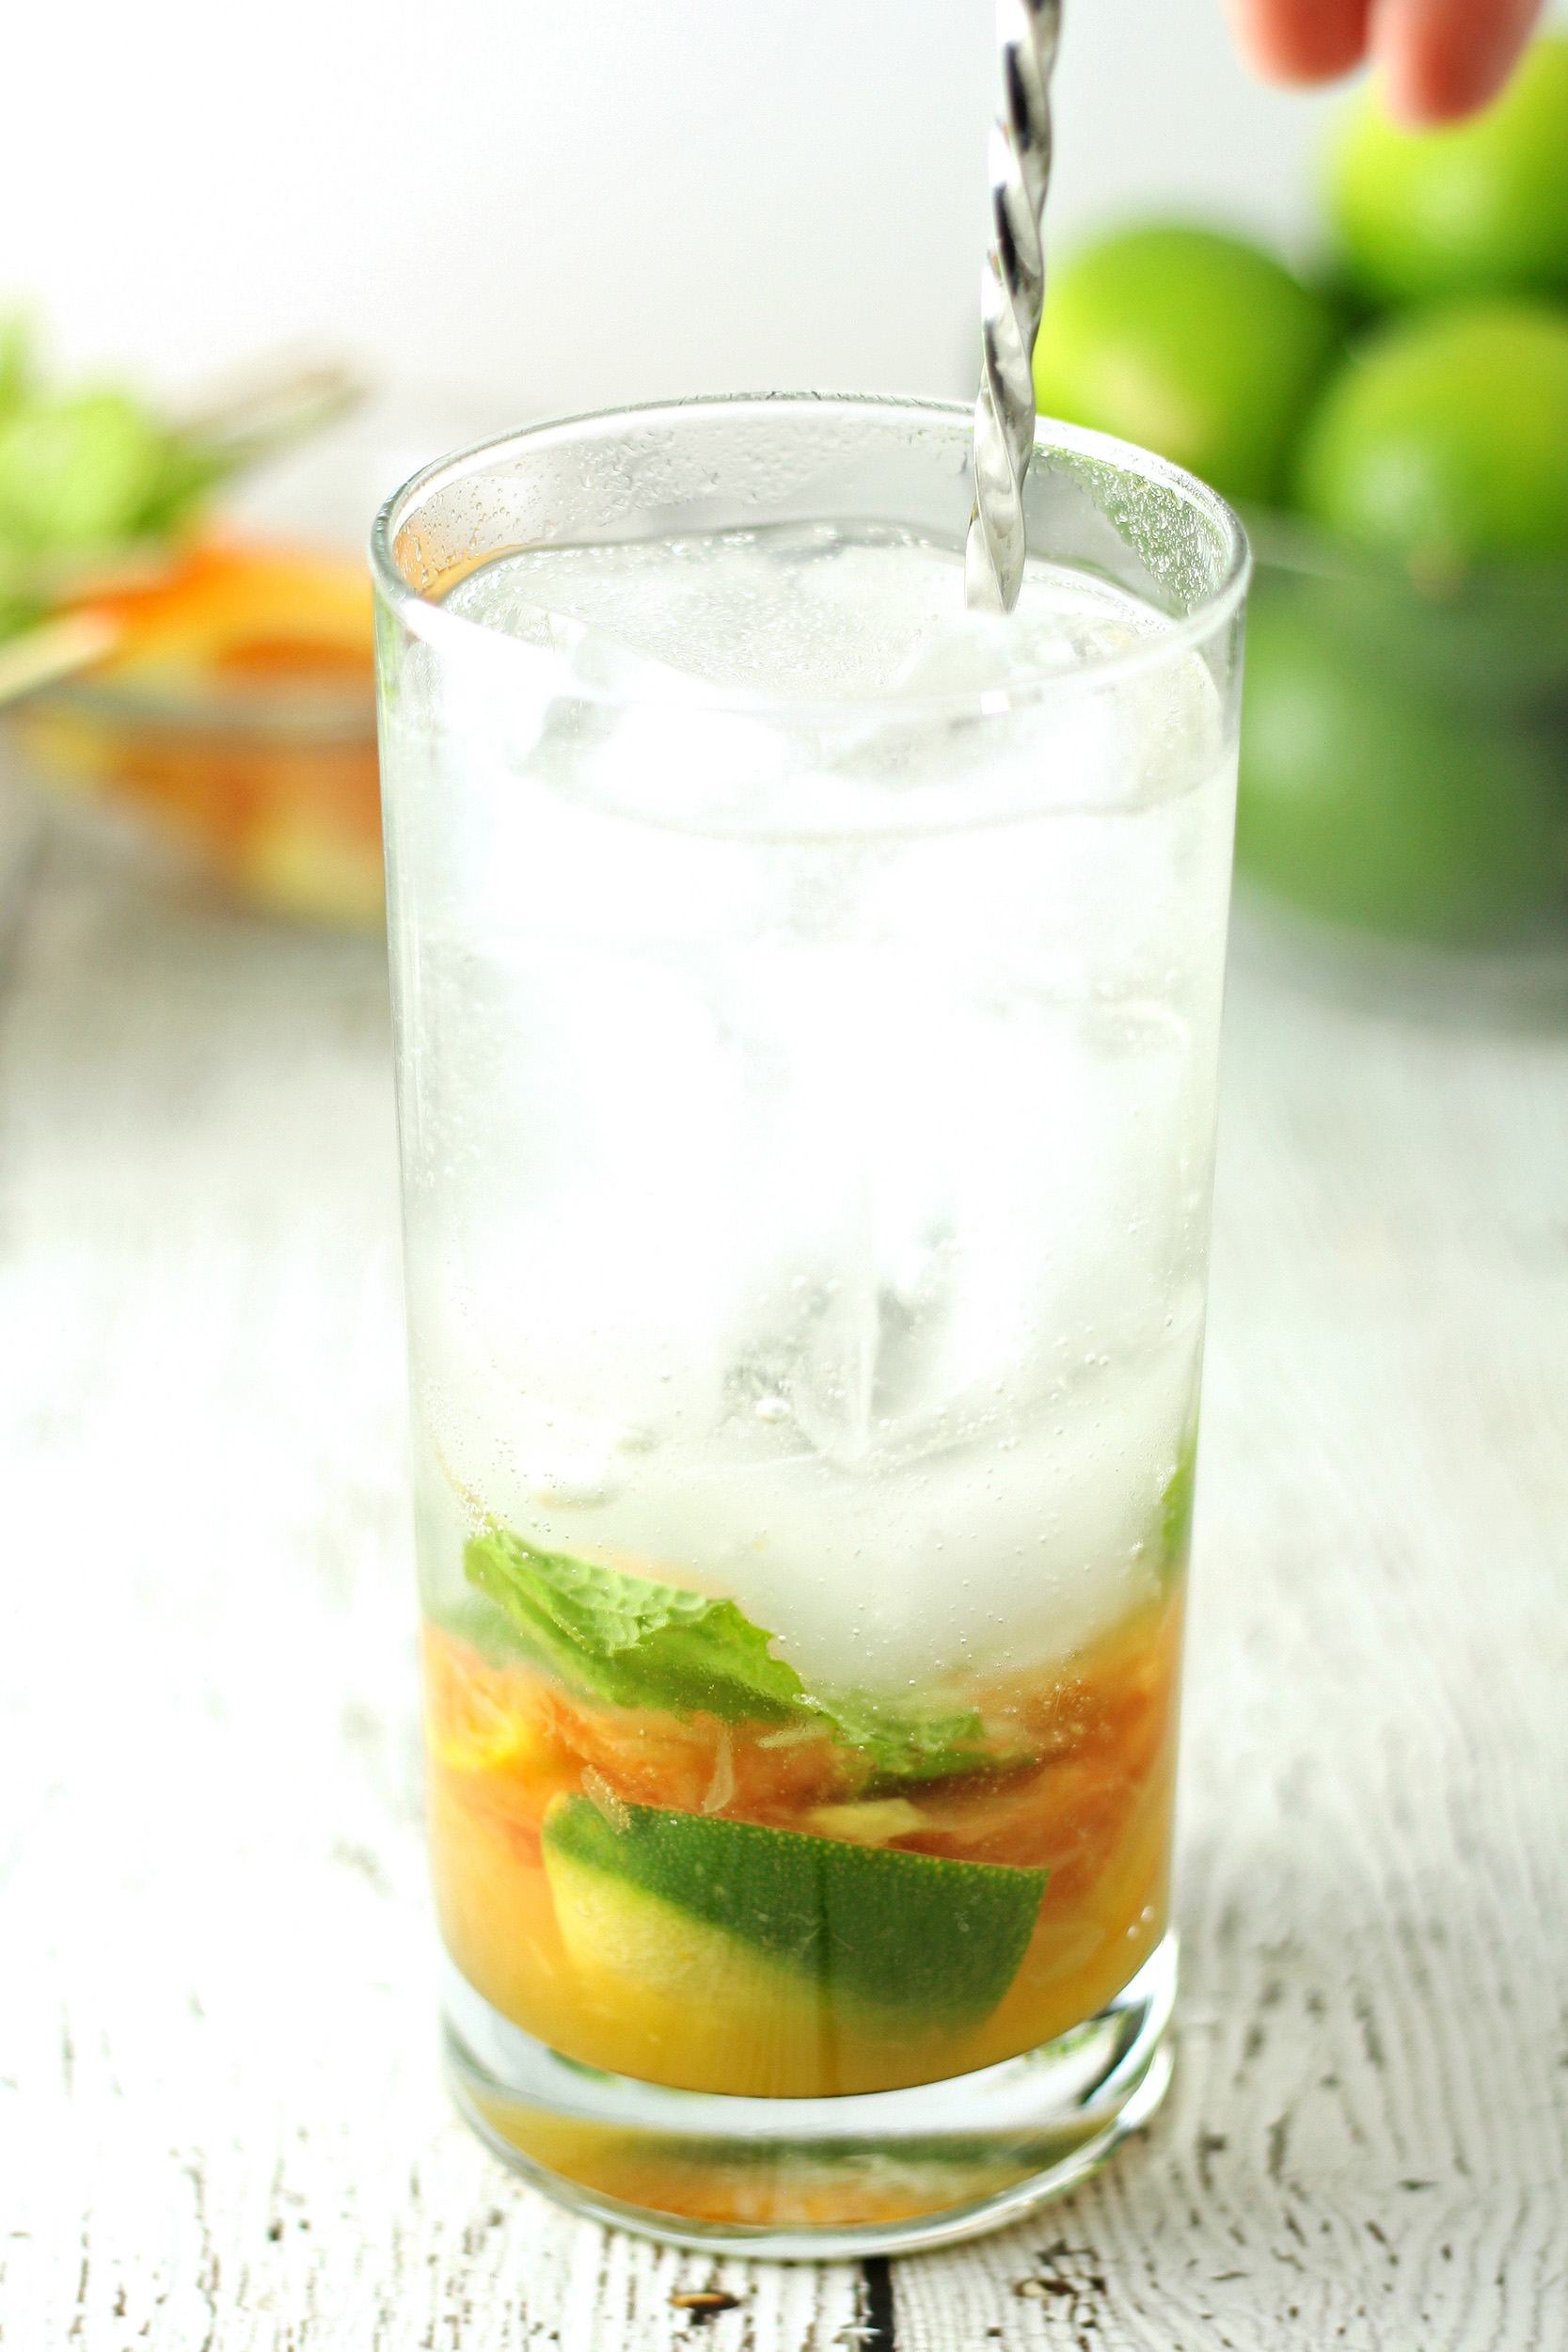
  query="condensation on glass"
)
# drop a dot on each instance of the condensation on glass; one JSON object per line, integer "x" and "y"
{"x": 807, "y": 1019}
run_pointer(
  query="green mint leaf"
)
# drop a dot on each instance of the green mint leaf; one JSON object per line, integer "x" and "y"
{"x": 631, "y": 1641}
{"x": 911, "y": 1743}
{"x": 1176, "y": 1507}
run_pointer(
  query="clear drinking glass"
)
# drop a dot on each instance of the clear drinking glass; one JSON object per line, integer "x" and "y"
{"x": 807, "y": 1016}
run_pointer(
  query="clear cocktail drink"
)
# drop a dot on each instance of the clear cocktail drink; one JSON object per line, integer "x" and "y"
{"x": 808, "y": 1003}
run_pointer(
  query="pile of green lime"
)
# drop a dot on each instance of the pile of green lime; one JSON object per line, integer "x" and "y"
{"x": 1404, "y": 735}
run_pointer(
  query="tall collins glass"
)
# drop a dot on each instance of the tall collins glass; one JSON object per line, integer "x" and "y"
{"x": 807, "y": 1003}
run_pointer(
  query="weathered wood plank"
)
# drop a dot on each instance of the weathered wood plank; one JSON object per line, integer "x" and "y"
{"x": 1367, "y": 2140}
{"x": 220, "y": 2124}
{"x": 220, "y": 2120}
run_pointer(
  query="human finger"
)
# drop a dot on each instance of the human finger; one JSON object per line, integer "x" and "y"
{"x": 1301, "y": 40}
{"x": 1443, "y": 58}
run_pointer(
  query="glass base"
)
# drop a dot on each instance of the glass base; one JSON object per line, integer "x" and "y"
{"x": 815, "y": 2179}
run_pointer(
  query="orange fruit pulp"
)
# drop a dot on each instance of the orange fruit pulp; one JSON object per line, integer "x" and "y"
{"x": 1092, "y": 1804}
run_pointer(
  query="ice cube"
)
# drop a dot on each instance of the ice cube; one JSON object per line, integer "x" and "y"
{"x": 976, "y": 653}
{"x": 582, "y": 1262}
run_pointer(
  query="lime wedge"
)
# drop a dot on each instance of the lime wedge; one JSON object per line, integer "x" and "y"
{"x": 694, "y": 1906}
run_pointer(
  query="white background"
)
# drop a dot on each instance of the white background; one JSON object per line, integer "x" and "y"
{"x": 556, "y": 203}
{"x": 560, "y": 202}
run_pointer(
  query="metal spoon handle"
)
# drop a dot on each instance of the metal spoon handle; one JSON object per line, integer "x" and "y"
{"x": 1012, "y": 292}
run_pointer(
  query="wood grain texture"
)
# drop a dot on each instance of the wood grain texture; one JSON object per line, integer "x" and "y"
{"x": 220, "y": 2120}
{"x": 1365, "y": 2143}
{"x": 221, "y": 2128}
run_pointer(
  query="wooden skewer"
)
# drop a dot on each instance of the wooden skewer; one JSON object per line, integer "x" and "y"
{"x": 54, "y": 650}
{"x": 267, "y": 410}
{"x": 269, "y": 407}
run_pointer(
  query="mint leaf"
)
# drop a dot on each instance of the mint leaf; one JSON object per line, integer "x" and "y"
{"x": 633, "y": 1643}
{"x": 911, "y": 1743}
{"x": 1176, "y": 1507}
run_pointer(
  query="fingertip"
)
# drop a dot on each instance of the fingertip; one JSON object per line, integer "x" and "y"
{"x": 1441, "y": 62}
{"x": 1301, "y": 40}
{"x": 1424, "y": 85}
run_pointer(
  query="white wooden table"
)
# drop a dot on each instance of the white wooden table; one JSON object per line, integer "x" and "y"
{"x": 220, "y": 2120}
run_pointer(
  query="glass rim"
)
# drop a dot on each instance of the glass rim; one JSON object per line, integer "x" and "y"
{"x": 428, "y": 619}
{"x": 327, "y": 716}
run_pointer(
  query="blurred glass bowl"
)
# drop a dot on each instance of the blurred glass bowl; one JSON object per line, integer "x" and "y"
{"x": 1405, "y": 742}
{"x": 241, "y": 728}
{"x": 271, "y": 787}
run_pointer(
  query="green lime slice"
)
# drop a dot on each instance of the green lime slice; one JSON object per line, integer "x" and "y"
{"x": 698, "y": 1906}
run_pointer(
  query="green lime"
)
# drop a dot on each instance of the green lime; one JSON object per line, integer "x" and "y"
{"x": 1367, "y": 797}
{"x": 727, "y": 1903}
{"x": 1446, "y": 437}
{"x": 1191, "y": 343}
{"x": 1479, "y": 207}
{"x": 1494, "y": 639}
